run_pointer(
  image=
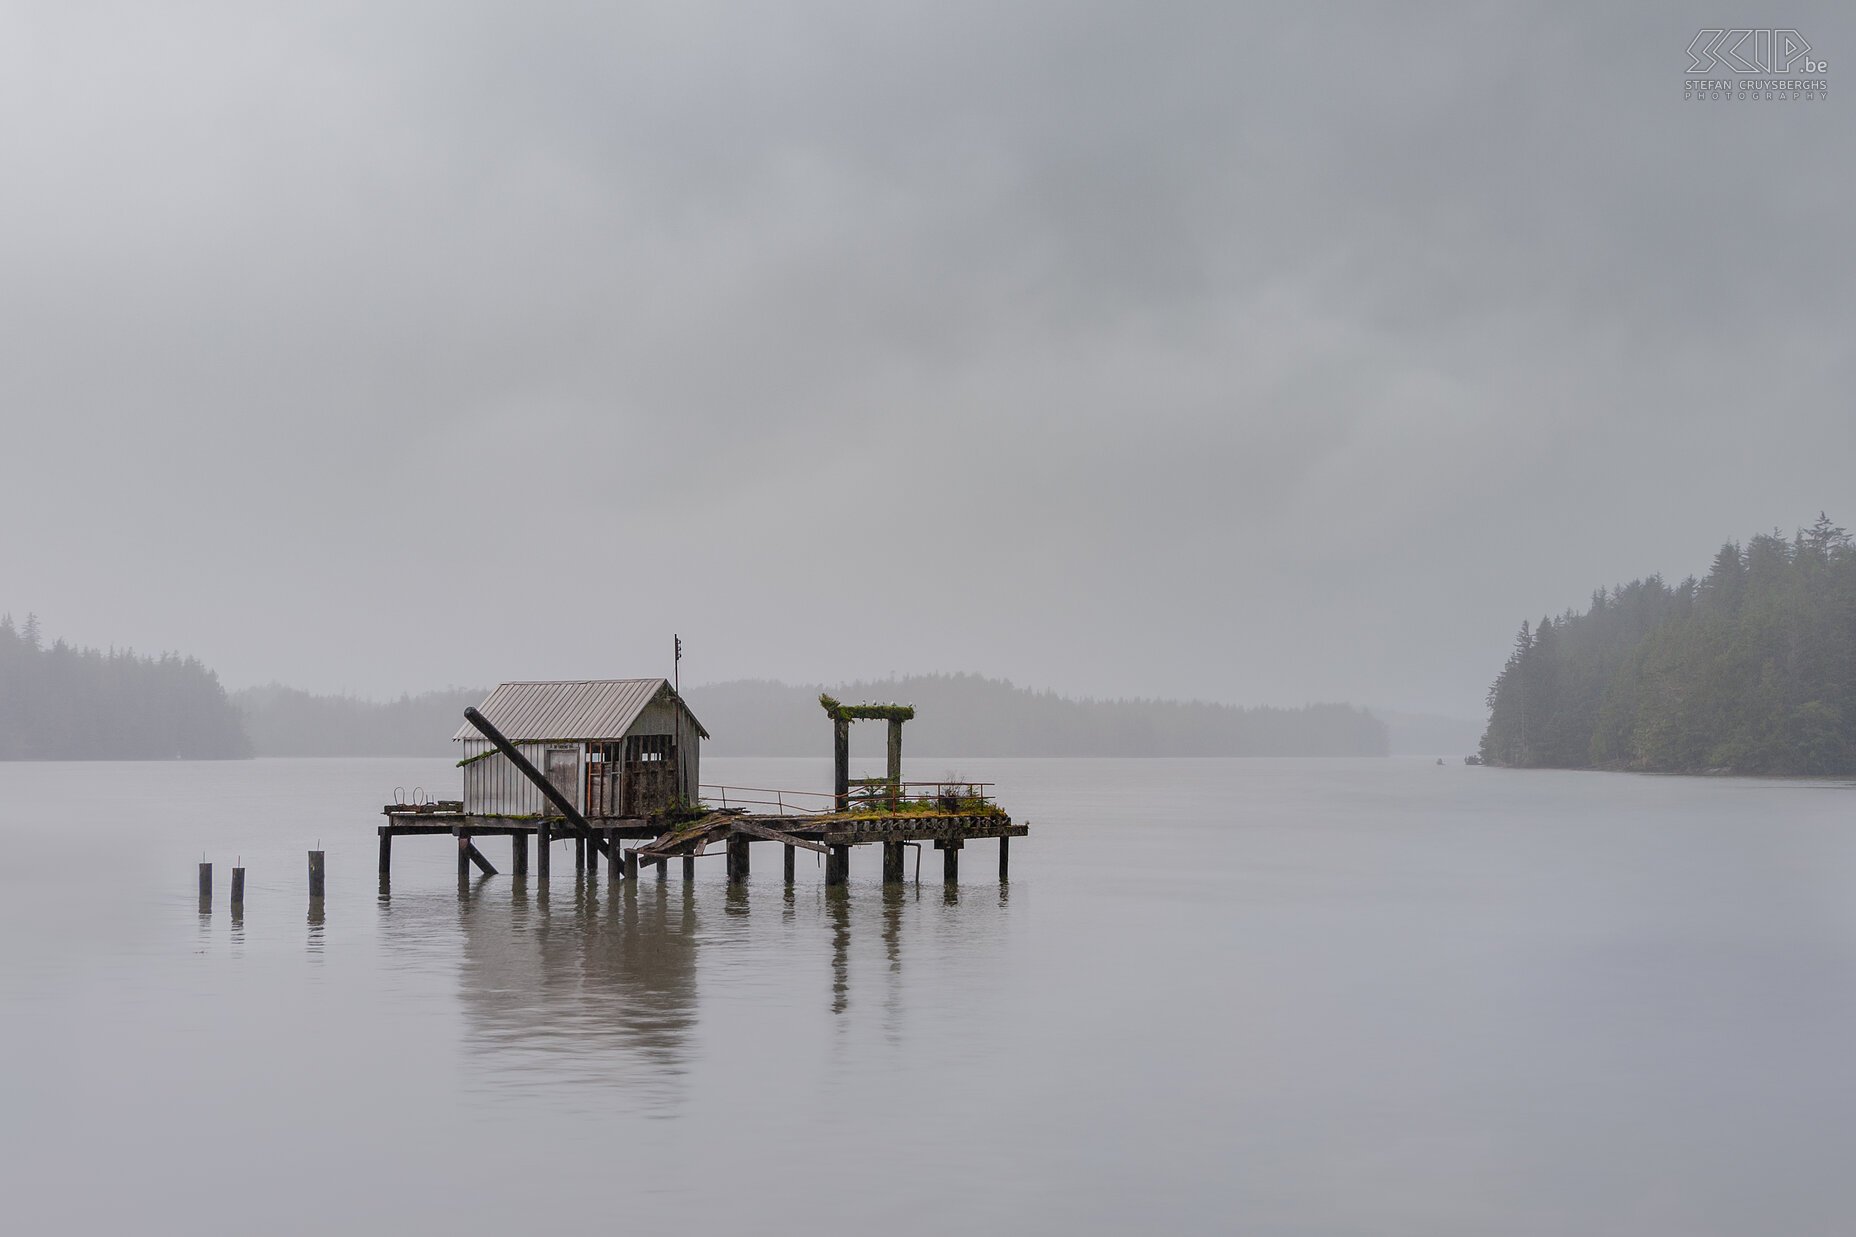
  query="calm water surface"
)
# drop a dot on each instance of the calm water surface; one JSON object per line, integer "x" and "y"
{"x": 1269, "y": 997}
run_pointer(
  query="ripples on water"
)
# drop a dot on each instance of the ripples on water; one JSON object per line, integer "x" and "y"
{"x": 1218, "y": 996}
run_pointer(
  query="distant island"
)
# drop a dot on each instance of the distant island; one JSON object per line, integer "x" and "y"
{"x": 1751, "y": 669}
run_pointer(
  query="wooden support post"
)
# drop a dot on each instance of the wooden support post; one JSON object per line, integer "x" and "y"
{"x": 631, "y": 864}
{"x": 615, "y": 857}
{"x": 315, "y": 876}
{"x": 518, "y": 854}
{"x": 592, "y": 856}
{"x": 895, "y": 764}
{"x": 892, "y": 860}
{"x": 950, "y": 861}
{"x": 238, "y": 888}
{"x": 789, "y": 862}
{"x": 689, "y": 867}
{"x": 841, "y": 763}
{"x": 386, "y": 852}
{"x": 1005, "y": 857}
{"x": 579, "y": 855}
{"x": 838, "y": 865}
{"x": 737, "y": 860}
{"x": 544, "y": 850}
{"x": 663, "y": 870}
{"x": 469, "y": 854}
{"x": 206, "y": 884}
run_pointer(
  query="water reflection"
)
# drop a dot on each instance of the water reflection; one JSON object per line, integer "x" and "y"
{"x": 606, "y": 975}
{"x": 575, "y": 983}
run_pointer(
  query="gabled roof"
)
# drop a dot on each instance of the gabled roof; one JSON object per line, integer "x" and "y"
{"x": 570, "y": 710}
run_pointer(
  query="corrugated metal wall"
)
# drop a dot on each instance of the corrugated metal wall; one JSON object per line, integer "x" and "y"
{"x": 492, "y": 787}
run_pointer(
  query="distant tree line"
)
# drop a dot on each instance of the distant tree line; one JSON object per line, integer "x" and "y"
{"x": 59, "y": 702}
{"x": 1751, "y": 669}
{"x": 968, "y": 715}
{"x": 283, "y": 721}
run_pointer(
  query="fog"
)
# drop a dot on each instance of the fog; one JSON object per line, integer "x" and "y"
{"x": 1251, "y": 354}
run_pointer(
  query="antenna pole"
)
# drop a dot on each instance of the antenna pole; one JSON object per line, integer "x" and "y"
{"x": 676, "y": 667}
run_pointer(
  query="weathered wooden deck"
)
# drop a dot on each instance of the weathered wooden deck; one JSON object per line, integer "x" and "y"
{"x": 831, "y": 834}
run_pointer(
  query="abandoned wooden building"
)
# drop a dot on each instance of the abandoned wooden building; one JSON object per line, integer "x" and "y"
{"x": 614, "y": 747}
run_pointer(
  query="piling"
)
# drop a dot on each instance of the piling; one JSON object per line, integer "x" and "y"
{"x": 315, "y": 875}
{"x": 838, "y": 865}
{"x": 737, "y": 860}
{"x": 386, "y": 853}
{"x": 238, "y": 888}
{"x": 592, "y": 858}
{"x": 579, "y": 855}
{"x": 789, "y": 862}
{"x": 518, "y": 854}
{"x": 463, "y": 855}
{"x": 206, "y": 884}
{"x": 663, "y": 870}
{"x": 1005, "y": 856}
{"x": 892, "y": 863}
{"x": 950, "y": 862}
{"x": 689, "y": 867}
{"x": 615, "y": 866}
{"x": 841, "y": 763}
{"x": 543, "y": 846}
{"x": 631, "y": 865}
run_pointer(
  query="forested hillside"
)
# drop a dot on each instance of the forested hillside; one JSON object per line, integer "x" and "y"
{"x": 66, "y": 703}
{"x": 283, "y": 721}
{"x": 967, "y": 715}
{"x": 1751, "y": 669}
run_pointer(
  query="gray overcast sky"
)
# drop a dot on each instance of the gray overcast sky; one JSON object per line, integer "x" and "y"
{"x": 1252, "y": 353}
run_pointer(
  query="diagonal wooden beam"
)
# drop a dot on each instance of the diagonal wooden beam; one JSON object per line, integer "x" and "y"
{"x": 774, "y": 835}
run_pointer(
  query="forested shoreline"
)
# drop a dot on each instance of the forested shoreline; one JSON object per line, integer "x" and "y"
{"x": 1749, "y": 669}
{"x": 59, "y": 702}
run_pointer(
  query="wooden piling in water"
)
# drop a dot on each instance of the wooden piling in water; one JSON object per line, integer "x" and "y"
{"x": 386, "y": 853}
{"x": 315, "y": 876}
{"x": 544, "y": 847}
{"x": 463, "y": 855}
{"x": 663, "y": 870}
{"x": 689, "y": 867}
{"x": 737, "y": 860}
{"x": 206, "y": 884}
{"x": 1005, "y": 857}
{"x": 631, "y": 864}
{"x": 518, "y": 854}
{"x": 238, "y": 888}
{"x": 592, "y": 857}
{"x": 789, "y": 849}
{"x": 950, "y": 862}
{"x": 892, "y": 862}
{"x": 837, "y": 865}
{"x": 579, "y": 855}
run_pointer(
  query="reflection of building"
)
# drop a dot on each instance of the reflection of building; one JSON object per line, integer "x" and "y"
{"x": 586, "y": 981}
{"x": 613, "y": 747}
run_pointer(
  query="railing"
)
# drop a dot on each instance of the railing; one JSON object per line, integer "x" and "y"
{"x": 758, "y": 797}
{"x": 867, "y": 793}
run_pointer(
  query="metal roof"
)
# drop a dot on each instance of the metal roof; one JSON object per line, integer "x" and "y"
{"x": 570, "y": 710}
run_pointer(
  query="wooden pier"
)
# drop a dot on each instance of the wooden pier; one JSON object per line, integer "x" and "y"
{"x": 627, "y": 749}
